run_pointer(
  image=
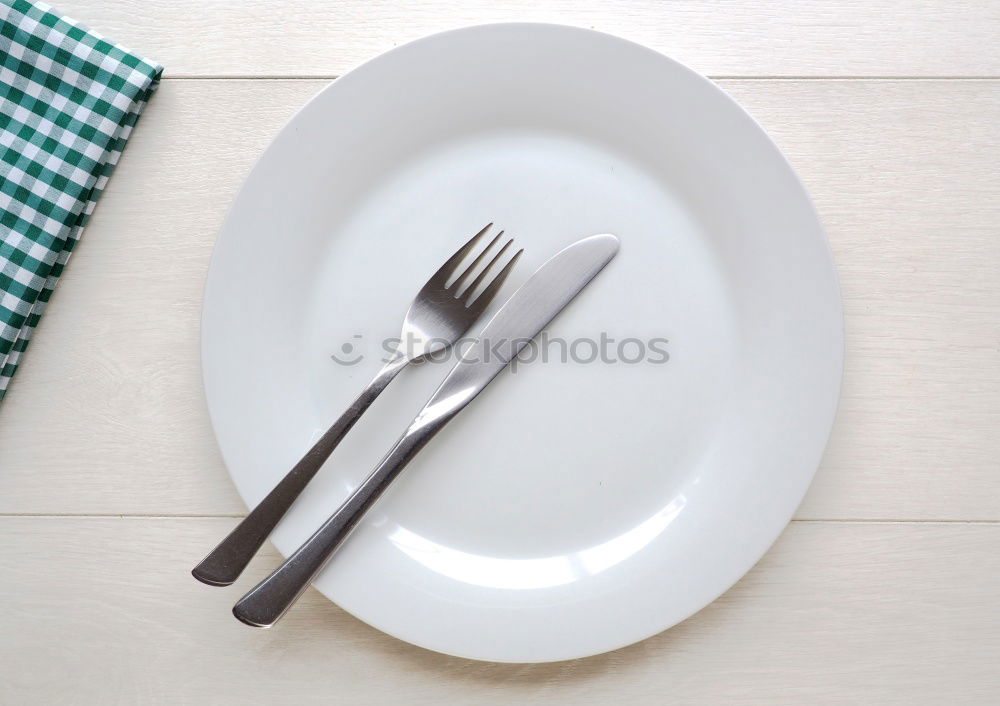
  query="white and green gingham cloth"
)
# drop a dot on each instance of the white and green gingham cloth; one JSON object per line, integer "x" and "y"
{"x": 68, "y": 101}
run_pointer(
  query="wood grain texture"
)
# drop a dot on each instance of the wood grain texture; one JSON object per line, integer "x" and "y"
{"x": 107, "y": 414}
{"x": 836, "y": 613}
{"x": 775, "y": 38}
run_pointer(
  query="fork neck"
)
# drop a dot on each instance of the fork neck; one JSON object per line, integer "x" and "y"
{"x": 389, "y": 370}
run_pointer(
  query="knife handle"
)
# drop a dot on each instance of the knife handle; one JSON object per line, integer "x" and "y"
{"x": 227, "y": 561}
{"x": 271, "y": 598}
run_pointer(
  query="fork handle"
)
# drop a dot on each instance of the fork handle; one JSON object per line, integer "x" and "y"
{"x": 226, "y": 562}
{"x": 271, "y": 598}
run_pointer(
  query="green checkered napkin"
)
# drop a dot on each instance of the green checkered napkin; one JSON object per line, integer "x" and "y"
{"x": 68, "y": 101}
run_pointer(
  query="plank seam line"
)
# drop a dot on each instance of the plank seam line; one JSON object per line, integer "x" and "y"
{"x": 196, "y": 516}
{"x": 714, "y": 77}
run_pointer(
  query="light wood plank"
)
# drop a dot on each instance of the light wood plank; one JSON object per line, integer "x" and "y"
{"x": 835, "y": 613}
{"x": 107, "y": 415}
{"x": 782, "y": 37}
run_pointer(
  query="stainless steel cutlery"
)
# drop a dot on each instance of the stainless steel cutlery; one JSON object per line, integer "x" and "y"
{"x": 442, "y": 312}
{"x": 528, "y": 310}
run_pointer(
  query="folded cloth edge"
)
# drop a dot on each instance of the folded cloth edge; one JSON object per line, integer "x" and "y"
{"x": 30, "y": 28}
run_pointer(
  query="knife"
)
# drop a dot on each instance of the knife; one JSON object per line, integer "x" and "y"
{"x": 528, "y": 311}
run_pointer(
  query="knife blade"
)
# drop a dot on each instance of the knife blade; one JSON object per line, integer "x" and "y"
{"x": 528, "y": 311}
{"x": 521, "y": 318}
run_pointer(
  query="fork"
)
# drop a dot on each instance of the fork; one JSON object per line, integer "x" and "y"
{"x": 442, "y": 312}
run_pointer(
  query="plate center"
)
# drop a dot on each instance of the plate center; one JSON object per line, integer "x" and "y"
{"x": 595, "y": 433}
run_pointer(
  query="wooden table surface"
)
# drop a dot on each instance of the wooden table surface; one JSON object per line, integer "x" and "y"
{"x": 885, "y": 589}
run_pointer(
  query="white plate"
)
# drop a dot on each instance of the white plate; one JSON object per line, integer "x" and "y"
{"x": 574, "y": 507}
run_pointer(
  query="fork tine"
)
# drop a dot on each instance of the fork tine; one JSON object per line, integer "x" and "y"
{"x": 455, "y": 260}
{"x": 486, "y": 270}
{"x": 493, "y": 287}
{"x": 457, "y": 284}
